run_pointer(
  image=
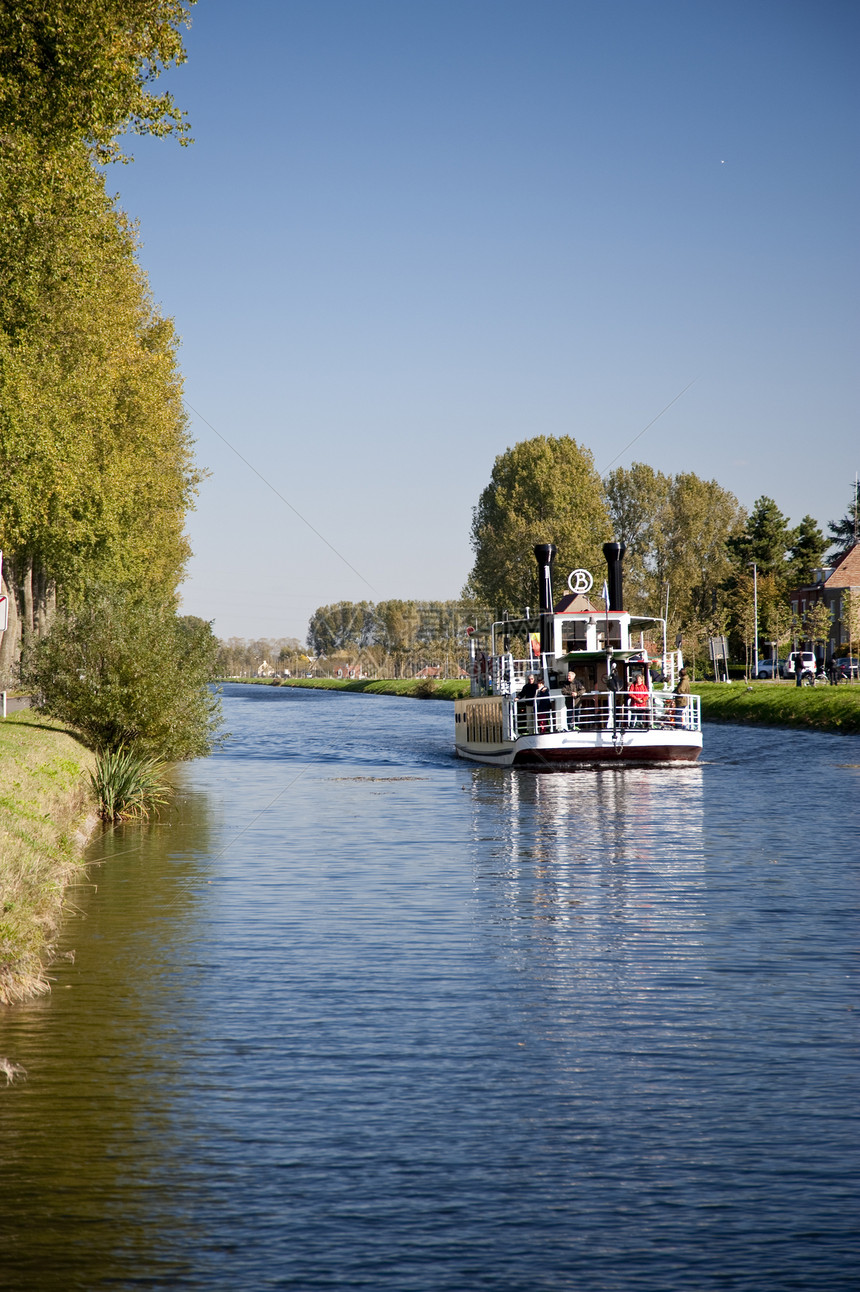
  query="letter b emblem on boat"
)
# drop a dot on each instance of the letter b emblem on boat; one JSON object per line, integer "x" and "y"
{"x": 580, "y": 581}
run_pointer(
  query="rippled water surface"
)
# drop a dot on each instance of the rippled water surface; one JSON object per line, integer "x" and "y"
{"x": 360, "y": 1016}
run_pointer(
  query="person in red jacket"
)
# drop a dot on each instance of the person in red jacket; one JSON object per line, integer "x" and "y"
{"x": 638, "y": 694}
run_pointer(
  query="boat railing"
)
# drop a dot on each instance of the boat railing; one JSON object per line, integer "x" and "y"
{"x": 605, "y": 711}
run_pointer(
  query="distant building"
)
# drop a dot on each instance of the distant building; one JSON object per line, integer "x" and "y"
{"x": 830, "y": 583}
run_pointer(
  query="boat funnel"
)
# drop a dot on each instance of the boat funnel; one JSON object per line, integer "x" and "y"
{"x": 545, "y": 555}
{"x": 614, "y": 553}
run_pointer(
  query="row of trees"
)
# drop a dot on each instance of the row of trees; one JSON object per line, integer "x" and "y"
{"x": 387, "y": 638}
{"x": 238, "y": 657}
{"x": 96, "y": 465}
{"x": 691, "y": 546}
{"x": 394, "y": 637}
{"x": 96, "y": 469}
{"x": 691, "y": 552}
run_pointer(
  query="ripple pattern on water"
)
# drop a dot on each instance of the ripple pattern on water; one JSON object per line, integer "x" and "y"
{"x": 360, "y": 1016}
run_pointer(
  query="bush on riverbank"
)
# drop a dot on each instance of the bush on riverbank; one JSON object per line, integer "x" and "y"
{"x": 45, "y": 805}
{"x": 134, "y": 678}
{"x": 129, "y": 674}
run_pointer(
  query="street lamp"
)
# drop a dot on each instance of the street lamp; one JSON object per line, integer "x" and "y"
{"x": 755, "y": 616}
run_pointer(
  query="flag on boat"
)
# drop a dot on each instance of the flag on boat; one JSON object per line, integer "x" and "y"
{"x": 605, "y": 593}
{"x": 534, "y": 645}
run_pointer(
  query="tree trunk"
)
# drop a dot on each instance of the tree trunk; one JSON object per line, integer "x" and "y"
{"x": 44, "y": 601}
{"x": 25, "y": 581}
{"x": 10, "y": 640}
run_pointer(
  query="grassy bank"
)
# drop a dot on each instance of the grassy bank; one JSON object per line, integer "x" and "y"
{"x": 777, "y": 704}
{"x": 418, "y": 687}
{"x": 46, "y": 815}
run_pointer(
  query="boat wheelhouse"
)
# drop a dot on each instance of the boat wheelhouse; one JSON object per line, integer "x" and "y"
{"x": 527, "y": 711}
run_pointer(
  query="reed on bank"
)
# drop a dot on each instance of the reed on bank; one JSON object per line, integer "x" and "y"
{"x": 47, "y": 815}
{"x": 129, "y": 784}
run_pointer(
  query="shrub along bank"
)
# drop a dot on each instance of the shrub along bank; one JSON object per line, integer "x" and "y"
{"x": 46, "y": 817}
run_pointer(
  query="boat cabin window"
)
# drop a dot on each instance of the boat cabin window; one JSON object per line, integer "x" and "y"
{"x": 574, "y": 634}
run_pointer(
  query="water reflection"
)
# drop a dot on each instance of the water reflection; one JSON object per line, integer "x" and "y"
{"x": 558, "y": 843}
{"x": 367, "y": 1017}
{"x": 94, "y": 1121}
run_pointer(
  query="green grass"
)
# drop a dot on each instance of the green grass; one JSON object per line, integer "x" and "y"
{"x": 418, "y": 687}
{"x": 46, "y": 802}
{"x": 778, "y": 704}
{"x": 782, "y": 704}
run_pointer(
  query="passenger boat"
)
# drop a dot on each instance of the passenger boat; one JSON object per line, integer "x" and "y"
{"x": 614, "y": 719}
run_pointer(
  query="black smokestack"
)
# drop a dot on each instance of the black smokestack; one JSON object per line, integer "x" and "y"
{"x": 614, "y": 553}
{"x": 545, "y": 555}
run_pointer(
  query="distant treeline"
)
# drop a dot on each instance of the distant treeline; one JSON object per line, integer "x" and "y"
{"x": 386, "y": 638}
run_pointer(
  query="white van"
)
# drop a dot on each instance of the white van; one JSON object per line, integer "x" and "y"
{"x": 808, "y": 663}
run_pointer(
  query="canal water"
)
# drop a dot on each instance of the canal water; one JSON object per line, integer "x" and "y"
{"x": 356, "y": 1015}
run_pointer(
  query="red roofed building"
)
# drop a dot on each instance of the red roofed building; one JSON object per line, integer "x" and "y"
{"x": 829, "y": 588}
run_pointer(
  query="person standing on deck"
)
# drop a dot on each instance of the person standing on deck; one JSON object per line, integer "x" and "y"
{"x": 527, "y": 692}
{"x": 682, "y": 691}
{"x": 639, "y": 696}
{"x": 572, "y": 690}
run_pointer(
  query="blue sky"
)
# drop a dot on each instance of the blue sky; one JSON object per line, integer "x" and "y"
{"x": 409, "y": 235}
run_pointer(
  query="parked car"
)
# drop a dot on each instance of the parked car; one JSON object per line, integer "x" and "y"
{"x": 845, "y": 669}
{"x": 806, "y": 660}
{"x": 767, "y": 667}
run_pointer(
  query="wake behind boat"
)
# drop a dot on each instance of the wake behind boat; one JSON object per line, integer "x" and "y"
{"x": 532, "y": 712}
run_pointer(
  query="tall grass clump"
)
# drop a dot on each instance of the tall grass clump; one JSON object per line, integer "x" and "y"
{"x": 128, "y": 784}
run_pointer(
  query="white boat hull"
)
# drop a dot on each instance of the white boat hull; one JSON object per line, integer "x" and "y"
{"x": 553, "y": 751}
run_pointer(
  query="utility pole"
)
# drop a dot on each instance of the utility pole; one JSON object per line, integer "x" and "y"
{"x": 755, "y": 615}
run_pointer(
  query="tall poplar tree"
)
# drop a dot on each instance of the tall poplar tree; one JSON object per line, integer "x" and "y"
{"x": 95, "y": 458}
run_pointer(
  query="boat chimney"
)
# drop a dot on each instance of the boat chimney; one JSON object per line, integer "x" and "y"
{"x": 614, "y": 553}
{"x": 545, "y": 555}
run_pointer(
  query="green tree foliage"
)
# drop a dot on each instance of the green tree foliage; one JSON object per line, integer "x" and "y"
{"x": 818, "y": 623}
{"x": 129, "y": 673}
{"x": 96, "y": 469}
{"x": 240, "y": 658}
{"x": 807, "y": 552}
{"x": 675, "y": 528}
{"x": 95, "y": 460}
{"x": 843, "y": 533}
{"x": 394, "y": 635}
{"x": 765, "y": 538}
{"x": 346, "y": 625}
{"x": 850, "y": 619}
{"x": 75, "y": 70}
{"x": 543, "y": 490}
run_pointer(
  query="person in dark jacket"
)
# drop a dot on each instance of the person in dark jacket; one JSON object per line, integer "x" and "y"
{"x": 527, "y": 693}
{"x": 572, "y": 690}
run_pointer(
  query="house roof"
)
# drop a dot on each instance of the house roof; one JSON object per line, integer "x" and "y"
{"x": 846, "y": 573}
{"x": 575, "y": 603}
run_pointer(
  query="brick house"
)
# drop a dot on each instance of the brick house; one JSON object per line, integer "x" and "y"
{"x": 829, "y": 587}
